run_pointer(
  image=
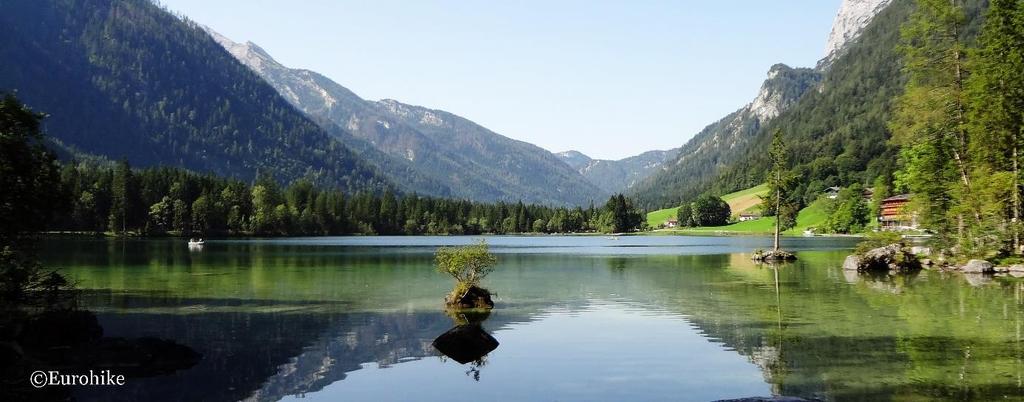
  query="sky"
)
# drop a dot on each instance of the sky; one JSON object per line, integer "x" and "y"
{"x": 611, "y": 79}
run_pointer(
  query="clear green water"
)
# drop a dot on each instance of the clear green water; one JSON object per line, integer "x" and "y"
{"x": 577, "y": 318}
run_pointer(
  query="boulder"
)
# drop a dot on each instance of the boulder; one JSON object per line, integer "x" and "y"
{"x": 889, "y": 258}
{"x": 772, "y": 256}
{"x": 1017, "y": 268}
{"x": 921, "y": 250}
{"x": 852, "y": 263}
{"x": 978, "y": 267}
{"x": 474, "y": 297}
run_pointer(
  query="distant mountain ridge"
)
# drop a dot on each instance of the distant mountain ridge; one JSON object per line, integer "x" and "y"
{"x": 461, "y": 158}
{"x": 617, "y": 175}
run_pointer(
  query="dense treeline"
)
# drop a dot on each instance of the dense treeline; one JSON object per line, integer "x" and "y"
{"x": 39, "y": 193}
{"x": 959, "y": 124}
{"x": 157, "y": 201}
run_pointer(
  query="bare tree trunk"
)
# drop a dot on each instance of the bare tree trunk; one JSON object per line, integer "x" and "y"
{"x": 961, "y": 135}
{"x": 778, "y": 207}
{"x": 1016, "y": 200}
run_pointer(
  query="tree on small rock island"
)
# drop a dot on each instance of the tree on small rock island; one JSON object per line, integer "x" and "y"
{"x": 468, "y": 265}
{"x": 780, "y": 183}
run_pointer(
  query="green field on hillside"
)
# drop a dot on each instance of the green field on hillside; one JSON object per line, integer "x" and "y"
{"x": 740, "y": 201}
{"x": 812, "y": 216}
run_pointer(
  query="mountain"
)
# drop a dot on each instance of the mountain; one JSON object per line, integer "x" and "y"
{"x": 850, "y": 21}
{"x": 699, "y": 161}
{"x": 463, "y": 158}
{"x": 127, "y": 79}
{"x": 837, "y": 133}
{"x": 620, "y": 175}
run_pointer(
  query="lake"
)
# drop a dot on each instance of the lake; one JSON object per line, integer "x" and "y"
{"x": 578, "y": 318}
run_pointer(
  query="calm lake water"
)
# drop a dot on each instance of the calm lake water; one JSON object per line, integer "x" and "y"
{"x": 577, "y": 318}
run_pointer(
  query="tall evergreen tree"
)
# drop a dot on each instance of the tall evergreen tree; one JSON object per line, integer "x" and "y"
{"x": 121, "y": 193}
{"x": 779, "y": 186}
{"x": 996, "y": 93}
{"x": 929, "y": 120}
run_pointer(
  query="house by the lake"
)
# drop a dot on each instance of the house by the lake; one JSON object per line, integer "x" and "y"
{"x": 671, "y": 223}
{"x": 893, "y": 214}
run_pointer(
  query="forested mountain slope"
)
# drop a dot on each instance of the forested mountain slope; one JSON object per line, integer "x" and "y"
{"x": 699, "y": 162}
{"x": 126, "y": 79}
{"x": 837, "y": 133}
{"x": 459, "y": 157}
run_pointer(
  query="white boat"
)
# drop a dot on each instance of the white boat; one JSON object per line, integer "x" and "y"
{"x": 195, "y": 243}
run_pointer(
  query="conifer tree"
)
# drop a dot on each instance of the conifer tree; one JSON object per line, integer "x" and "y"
{"x": 779, "y": 187}
{"x": 996, "y": 100}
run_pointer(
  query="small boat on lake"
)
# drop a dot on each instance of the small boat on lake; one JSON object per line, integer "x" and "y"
{"x": 195, "y": 243}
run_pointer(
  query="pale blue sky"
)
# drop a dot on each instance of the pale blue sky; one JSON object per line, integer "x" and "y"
{"x": 610, "y": 79}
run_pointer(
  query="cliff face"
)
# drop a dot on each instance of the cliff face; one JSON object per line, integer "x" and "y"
{"x": 850, "y": 21}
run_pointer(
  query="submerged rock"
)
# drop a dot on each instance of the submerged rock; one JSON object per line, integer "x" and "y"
{"x": 893, "y": 257}
{"x": 975, "y": 279}
{"x": 978, "y": 267}
{"x": 61, "y": 328}
{"x": 772, "y": 256}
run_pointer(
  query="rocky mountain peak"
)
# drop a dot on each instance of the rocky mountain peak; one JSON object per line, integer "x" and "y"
{"x": 783, "y": 87}
{"x": 576, "y": 159}
{"x": 248, "y": 53}
{"x": 851, "y": 19}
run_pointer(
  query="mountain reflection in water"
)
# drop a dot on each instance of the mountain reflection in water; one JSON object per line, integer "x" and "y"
{"x": 331, "y": 320}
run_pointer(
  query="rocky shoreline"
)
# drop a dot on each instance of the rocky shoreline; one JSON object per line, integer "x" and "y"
{"x": 902, "y": 258}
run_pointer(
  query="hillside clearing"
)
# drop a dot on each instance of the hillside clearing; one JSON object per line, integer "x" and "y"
{"x": 739, "y": 202}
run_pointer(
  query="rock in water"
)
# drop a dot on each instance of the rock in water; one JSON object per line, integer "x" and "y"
{"x": 474, "y": 297}
{"x": 893, "y": 257}
{"x": 978, "y": 267}
{"x": 852, "y": 263}
{"x": 772, "y": 256}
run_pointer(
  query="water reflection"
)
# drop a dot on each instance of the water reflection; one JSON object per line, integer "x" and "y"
{"x": 276, "y": 320}
{"x": 467, "y": 341}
